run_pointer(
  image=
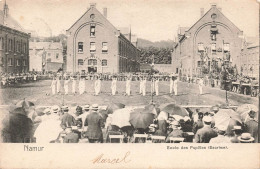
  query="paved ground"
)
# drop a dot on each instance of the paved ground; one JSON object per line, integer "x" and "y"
{"x": 39, "y": 93}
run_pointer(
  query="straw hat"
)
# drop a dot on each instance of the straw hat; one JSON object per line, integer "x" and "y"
{"x": 245, "y": 138}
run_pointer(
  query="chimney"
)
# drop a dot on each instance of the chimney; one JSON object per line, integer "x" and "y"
{"x": 92, "y": 5}
{"x": 201, "y": 12}
{"x": 213, "y": 5}
{"x": 105, "y": 12}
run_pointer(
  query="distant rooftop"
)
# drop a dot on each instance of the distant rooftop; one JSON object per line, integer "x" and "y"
{"x": 45, "y": 45}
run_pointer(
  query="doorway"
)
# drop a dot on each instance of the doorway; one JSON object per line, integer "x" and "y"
{"x": 92, "y": 69}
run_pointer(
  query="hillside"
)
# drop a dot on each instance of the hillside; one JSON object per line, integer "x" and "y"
{"x": 160, "y": 49}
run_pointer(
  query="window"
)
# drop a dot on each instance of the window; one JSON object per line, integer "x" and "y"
{"x": 92, "y": 62}
{"x": 200, "y": 47}
{"x": 49, "y": 54}
{"x": 18, "y": 62}
{"x": 57, "y": 55}
{"x": 11, "y": 45}
{"x": 1, "y": 43}
{"x": 49, "y": 60}
{"x": 17, "y": 46}
{"x": 10, "y": 62}
{"x": 80, "y": 62}
{"x": 80, "y": 47}
{"x": 104, "y": 47}
{"x": 199, "y": 63}
{"x": 226, "y": 47}
{"x": 213, "y": 48}
{"x": 92, "y": 47}
{"x": 24, "y": 62}
{"x": 92, "y": 30}
{"x": 104, "y": 62}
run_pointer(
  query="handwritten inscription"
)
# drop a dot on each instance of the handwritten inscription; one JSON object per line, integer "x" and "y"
{"x": 102, "y": 159}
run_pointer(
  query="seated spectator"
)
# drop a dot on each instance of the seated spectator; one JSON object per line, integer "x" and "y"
{"x": 237, "y": 132}
{"x": 221, "y": 138}
{"x": 113, "y": 130}
{"x": 176, "y": 132}
{"x": 70, "y": 137}
{"x": 186, "y": 126}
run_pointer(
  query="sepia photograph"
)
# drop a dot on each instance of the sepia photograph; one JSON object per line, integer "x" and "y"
{"x": 173, "y": 72}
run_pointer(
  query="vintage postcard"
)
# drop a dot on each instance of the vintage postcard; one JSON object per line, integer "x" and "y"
{"x": 129, "y": 84}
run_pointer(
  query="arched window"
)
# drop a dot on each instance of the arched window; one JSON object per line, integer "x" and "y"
{"x": 92, "y": 62}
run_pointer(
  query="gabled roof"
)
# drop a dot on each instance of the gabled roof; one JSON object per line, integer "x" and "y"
{"x": 99, "y": 14}
{"x": 10, "y": 22}
{"x": 214, "y": 8}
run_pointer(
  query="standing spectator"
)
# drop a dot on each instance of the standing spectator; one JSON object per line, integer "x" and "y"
{"x": 198, "y": 124}
{"x": 83, "y": 116}
{"x": 251, "y": 126}
{"x": 204, "y": 134}
{"x": 237, "y": 133}
{"x": 67, "y": 120}
{"x": 94, "y": 122}
{"x": 221, "y": 138}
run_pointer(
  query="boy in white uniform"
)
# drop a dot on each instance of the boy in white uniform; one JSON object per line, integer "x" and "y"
{"x": 113, "y": 86}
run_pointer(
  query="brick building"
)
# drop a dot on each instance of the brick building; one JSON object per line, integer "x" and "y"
{"x": 95, "y": 45}
{"x": 46, "y": 56}
{"x": 14, "y": 44}
{"x": 212, "y": 40}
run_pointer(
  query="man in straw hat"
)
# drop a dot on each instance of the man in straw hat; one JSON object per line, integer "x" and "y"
{"x": 94, "y": 122}
{"x": 221, "y": 138}
{"x": 245, "y": 138}
{"x": 251, "y": 126}
{"x": 205, "y": 134}
{"x": 67, "y": 120}
{"x": 85, "y": 113}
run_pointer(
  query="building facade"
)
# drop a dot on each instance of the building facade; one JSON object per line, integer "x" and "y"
{"x": 211, "y": 41}
{"x": 14, "y": 45}
{"x": 46, "y": 56}
{"x": 250, "y": 60}
{"x": 95, "y": 45}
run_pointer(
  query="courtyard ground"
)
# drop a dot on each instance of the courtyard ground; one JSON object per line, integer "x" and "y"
{"x": 40, "y": 93}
